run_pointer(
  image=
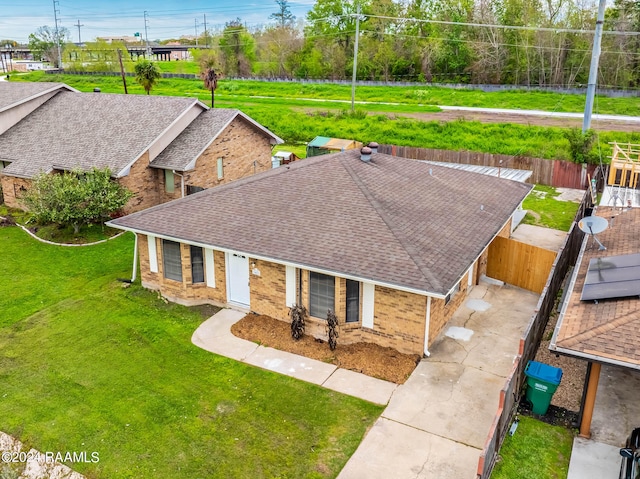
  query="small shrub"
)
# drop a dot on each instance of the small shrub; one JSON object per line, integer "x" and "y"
{"x": 298, "y": 314}
{"x": 332, "y": 329}
{"x": 581, "y": 145}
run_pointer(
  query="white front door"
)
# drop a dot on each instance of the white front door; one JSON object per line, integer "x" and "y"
{"x": 238, "y": 279}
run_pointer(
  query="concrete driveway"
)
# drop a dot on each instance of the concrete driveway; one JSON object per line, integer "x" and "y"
{"x": 436, "y": 424}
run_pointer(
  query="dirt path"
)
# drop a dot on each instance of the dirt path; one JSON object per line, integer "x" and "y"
{"x": 523, "y": 119}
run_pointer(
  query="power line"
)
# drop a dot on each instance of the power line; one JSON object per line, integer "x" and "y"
{"x": 78, "y": 25}
{"x": 504, "y": 27}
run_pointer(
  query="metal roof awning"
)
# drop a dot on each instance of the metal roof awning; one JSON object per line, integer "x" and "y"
{"x": 508, "y": 173}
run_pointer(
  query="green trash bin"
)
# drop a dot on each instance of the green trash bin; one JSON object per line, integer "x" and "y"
{"x": 542, "y": 382}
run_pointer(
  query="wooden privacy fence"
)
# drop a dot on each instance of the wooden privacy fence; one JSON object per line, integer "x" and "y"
{"x": 519, "y": 264}
{"x": 510, "y": 393}
{"x": 555, "y": 173}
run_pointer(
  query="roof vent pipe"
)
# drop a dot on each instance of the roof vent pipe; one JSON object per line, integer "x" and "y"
{"x": 365, "y": 154}
{"x": 374, "y": 147}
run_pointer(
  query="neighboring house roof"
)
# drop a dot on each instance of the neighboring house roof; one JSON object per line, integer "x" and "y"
{"x": 388, "y": 221}
{"x": 333, "y": 143}
{"x": 85, "y": 130}
{"x": 607, "y": 331}
{"x": 15, "y": 93}
{"x": 182, "y": 153}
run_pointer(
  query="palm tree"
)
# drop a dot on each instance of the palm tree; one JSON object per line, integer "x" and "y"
{"x": 147, "y": 74}
{"x": 210, "y": 78}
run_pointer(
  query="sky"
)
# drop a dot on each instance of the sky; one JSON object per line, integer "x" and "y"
{"x": 165, "y": 18}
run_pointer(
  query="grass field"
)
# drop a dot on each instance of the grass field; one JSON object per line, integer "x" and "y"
{"x": 546, "y": 210}
{"x": 299, "y": 112}
{"x": 87, "y": 365}
{"x": 536, "y": 451}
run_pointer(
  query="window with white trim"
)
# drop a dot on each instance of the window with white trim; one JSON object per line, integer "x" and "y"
{"x": 169, "y": 181}
{"x": 322, "y": 290}
{"x": 171, "y": 260}
{"x": 353, "y": 301}
{"x": 220, "y": 168}
{"x": 197, "y": 265}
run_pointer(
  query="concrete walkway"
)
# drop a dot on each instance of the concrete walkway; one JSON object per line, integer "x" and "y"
{"x": 436, "y": 424}
{"x": 215, "y": 335}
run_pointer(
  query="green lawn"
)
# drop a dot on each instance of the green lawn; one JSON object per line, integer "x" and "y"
{"x": 87, "y": 365}
{"x": 545, "y": 210}
{"x": 299, "y": 112}
{"x": 536, "y": 451}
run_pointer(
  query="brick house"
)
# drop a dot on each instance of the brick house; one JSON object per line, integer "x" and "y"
{"x": 161, "y": 148}
{"x": 391, "y": 245}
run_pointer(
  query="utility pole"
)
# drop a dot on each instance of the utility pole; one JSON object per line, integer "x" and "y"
{"x": 56, "y": 4}
{"x": 206, "y": 37}
{"x": 355, "y": 61}
{"x": 124, "y": 80}
{"x": 196, "y": 22}
{"x": 593, "y": 71}
{"x": 146, "y": 36}
{"x": 78, "y": 25}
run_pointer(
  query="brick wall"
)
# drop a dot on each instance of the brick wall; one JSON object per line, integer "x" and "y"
{"x": 184, "y": 291}
{"x": 399, "y": 320}
{"x": 144, "y": 182}
{"x": 441, "y": 313}
{"x": 268, "y": 291}
{"x": 244, "y": 152}
{"x": 11, "y": 190}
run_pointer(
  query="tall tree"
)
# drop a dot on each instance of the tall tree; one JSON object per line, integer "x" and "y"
{"x": 44, "y": 44}
{"x": 283, "y": 16}
{"x": 238, "y": 49}
{"x": 147, "y": 74}
{"x": 210, "y": 78}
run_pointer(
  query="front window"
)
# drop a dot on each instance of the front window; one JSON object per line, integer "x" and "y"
{"x": 197, "y": 265}
{"x": 171, "y": 260}
{"x": 353, "y": 301}
{"x": 321, "y": 294}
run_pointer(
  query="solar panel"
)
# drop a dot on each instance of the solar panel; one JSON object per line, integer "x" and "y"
{"x": 612, "y": 277}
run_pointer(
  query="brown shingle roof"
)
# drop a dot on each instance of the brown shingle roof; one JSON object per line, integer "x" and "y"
{"x": 198, "y": 135}
{"x": 85, "y": 130}
{"x": 608, "y": 331}
{"x": 389, "y": 220}
{"x": 14, "y": 93}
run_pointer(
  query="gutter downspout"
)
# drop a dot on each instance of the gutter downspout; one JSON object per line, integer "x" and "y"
{"x": 426, "y": 327}
{"x": 181, "y": 182}
{"x": 135, "y": 259}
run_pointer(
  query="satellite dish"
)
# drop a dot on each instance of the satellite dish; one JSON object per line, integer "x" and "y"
{"x": 592, "y": 225}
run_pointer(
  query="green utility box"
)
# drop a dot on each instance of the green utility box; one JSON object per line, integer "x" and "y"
{"x": 542, "y": 382}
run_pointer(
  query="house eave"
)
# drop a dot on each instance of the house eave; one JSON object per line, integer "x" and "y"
{"x": 282, "y": 262}
{"x": 594, "y": 358}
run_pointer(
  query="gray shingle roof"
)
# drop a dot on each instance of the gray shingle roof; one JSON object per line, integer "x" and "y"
{"x": 85, "y": 130}
{"x": 389, "y": 220}
{"x": 198, "y": 135}
{"x": 14, "y": 93}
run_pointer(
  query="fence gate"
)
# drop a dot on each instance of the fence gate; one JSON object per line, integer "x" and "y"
{"x": 519, "y": 264}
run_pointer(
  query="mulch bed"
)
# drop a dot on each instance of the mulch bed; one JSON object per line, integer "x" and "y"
{"x": 367, "y": 358}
